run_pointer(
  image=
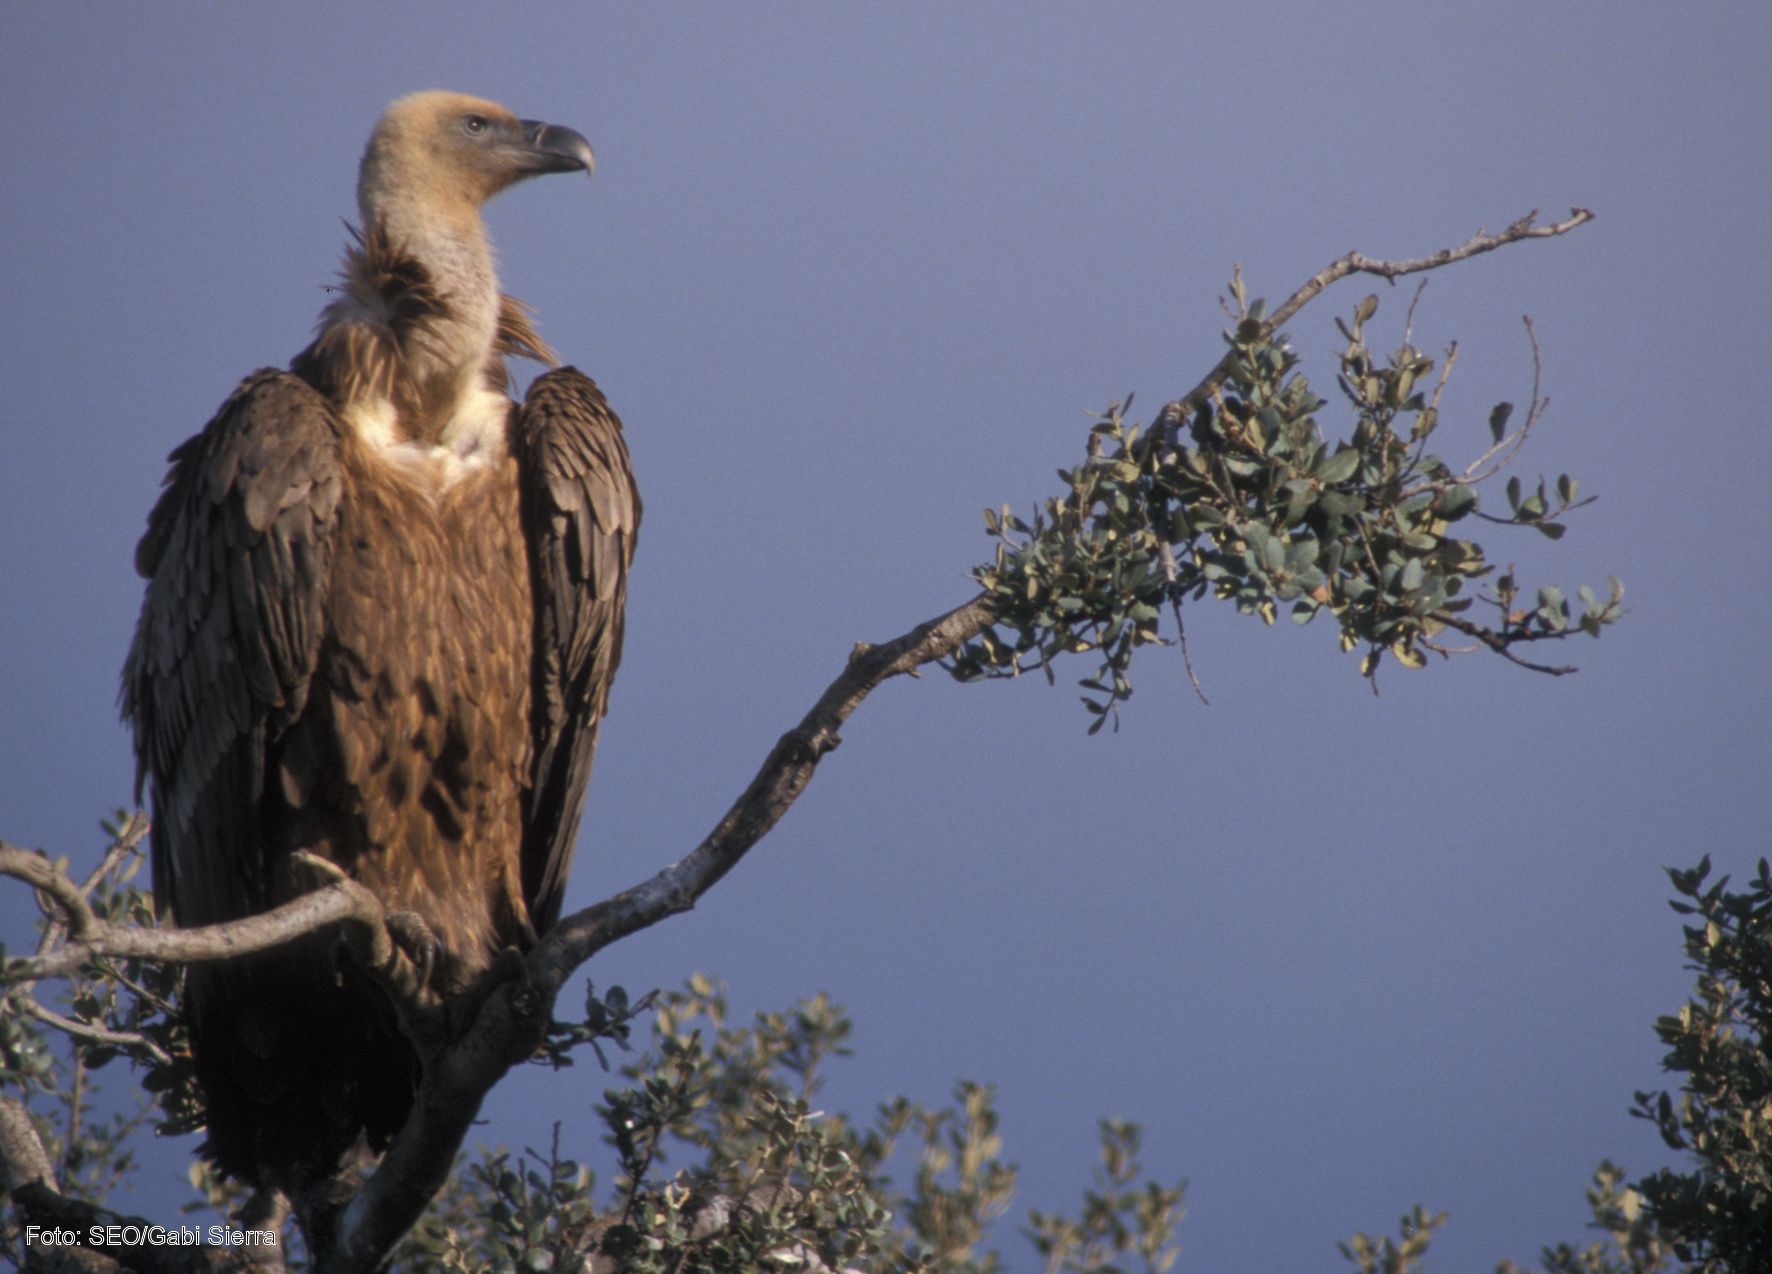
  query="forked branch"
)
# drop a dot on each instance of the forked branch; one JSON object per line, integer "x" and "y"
{"x": 88, "y": 939}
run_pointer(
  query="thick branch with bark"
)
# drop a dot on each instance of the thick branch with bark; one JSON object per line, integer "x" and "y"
{"x": 513, "y": 1022}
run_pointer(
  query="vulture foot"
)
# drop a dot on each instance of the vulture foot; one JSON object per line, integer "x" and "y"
{"x": 414, "y": 937}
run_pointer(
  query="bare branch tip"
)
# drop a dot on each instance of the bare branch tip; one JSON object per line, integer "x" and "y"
{"x": 324, "y": 867}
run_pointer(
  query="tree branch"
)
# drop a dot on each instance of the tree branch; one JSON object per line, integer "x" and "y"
{"x": 510, "y": 1026}
{"x": 1499, "y": 642}
{"x": 342, "y": 901}
{"x": 512, "y": 1022}
{"x": 778, "y": 783}
{"x": 97, "y": 1034}
{"x": 28, "y": 1177}
{"x": 1480, "y": 242}
{"x": 1358, "y": 263}
{"x": 791, "y": 764}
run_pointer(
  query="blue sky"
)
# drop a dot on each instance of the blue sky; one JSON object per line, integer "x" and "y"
{"x": 851, "y": 274}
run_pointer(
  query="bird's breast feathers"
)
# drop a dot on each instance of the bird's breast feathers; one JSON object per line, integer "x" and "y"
{"x": 474, "y": 437}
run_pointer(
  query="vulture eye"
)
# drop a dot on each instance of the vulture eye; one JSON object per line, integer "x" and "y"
{"x": 473, "y": 125}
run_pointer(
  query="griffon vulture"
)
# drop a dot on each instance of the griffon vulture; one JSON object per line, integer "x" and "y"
{"x": 384, "y": 606}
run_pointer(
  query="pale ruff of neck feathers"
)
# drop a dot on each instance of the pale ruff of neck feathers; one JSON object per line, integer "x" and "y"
{"x": 451, "y": 351}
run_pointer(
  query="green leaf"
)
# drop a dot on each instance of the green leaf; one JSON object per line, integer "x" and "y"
{"x": 1339, "y": 467}
{"x": 1340, "y": 504}
{"x": 1456, "y": 501}
{"x": 1299, "y": 498}
{"x": 1273, "y": 553}
{"x": 1498, "y": 418}
{"x": 1301, "y": 555}
{"x": 1366, "y": 309}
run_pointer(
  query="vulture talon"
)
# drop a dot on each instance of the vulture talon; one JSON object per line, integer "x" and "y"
{"x": 414, "y": 937}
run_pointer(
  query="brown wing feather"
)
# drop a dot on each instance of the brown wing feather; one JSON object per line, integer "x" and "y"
{"x": 237, "y": 554}
{"x": 581, "y": 513}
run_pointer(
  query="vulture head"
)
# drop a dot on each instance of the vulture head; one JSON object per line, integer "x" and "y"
{"x": 449, "y": 153}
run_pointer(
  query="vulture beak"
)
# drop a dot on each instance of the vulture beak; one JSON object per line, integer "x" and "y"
{"x": 552, "y": 148}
